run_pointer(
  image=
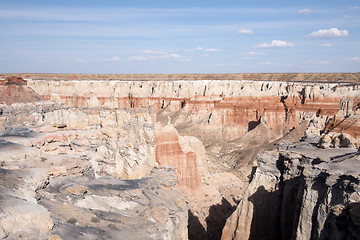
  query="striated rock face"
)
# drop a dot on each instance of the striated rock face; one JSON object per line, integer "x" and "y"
{"x": 235, "y": 106}
{"x": 294, "y": 194}
{"x": 170, "y": 153}
{"x": 14, "y": 90}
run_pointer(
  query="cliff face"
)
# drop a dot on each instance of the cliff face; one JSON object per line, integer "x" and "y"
{"x": 302, "y": 193}
{"x": 236, "y": 106}
{"x": 209, "y": 130}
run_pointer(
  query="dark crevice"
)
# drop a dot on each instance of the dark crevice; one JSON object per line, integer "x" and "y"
{"x": 302, "y": 96}
{"x": 209, "y": 117}
{"x": 282, "y": 100}
{"x": 215, "y": 221}
{"x": 183, "y": 103}
{"x": 253, "y": 124}
{"x": 204, "y": 91}
{"x": 131, "y": 100}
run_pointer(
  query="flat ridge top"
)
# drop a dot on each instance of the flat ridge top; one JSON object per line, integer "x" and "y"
{"x": 291, "y": 77}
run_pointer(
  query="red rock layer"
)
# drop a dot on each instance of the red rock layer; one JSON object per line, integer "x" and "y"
{"x": 13, "y": 81}
{"x": 169, "y": 153}
{"x": 279, "y": 113}
{"x": 75, "y": 101}
{"x": 14, "y": 90}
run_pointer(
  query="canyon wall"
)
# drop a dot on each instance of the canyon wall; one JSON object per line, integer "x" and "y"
{"x": 209, "y": 130}
{"x": 300, "y": 192}
{"x": 236, "y": 106}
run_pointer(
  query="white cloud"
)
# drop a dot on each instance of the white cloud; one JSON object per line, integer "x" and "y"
{"x": 354, "y": 7}
{"x": 153, "y": 52}
{"x": 355, "y": 59}
{"x": 207, "y": 49}
{"x": 328, "y": 33}
{"x": 325, "y": 45}
{"x": 246, "y": 31}
{"x": 212, "y": 50}
{"x": 150, "y": 55}
{"x": 304, "y": 11}
{"x": 276, "y": 44}
{"x": 113, "y": 59}
{"x": 254, "y": 53}
{"x": 250, "y": 55}
{"x": 266, "y": 63}
{"x": 324, "y": 62}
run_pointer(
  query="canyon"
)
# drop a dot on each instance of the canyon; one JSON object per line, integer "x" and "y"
{"x": 222, "y": 156}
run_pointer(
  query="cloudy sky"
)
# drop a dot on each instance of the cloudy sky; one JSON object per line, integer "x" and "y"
{"x": 173, "y": 36}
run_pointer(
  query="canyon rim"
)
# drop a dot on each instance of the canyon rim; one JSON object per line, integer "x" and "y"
{"x": 180, "y": 156}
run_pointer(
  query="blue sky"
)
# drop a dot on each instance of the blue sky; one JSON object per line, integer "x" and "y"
{"x": 91, "y": 36}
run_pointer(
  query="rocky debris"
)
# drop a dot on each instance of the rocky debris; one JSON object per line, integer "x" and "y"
{"x": 116, "y": 142}
{"x": 293, "y": 193}
{"x": 109, "y": 208}
{"x": 336, "y": 140}
{"x": 58, "y": 197}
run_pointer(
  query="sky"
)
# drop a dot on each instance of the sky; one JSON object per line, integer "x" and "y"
{"x": 173, "y": 36}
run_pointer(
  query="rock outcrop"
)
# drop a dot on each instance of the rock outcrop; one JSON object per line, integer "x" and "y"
{"x": 116, "y": 142}
{"x": 14, "y": 90}
{"x": 170, "y": 153}
{"x": 299, "y": 192}
{"x": 59, "y": 196}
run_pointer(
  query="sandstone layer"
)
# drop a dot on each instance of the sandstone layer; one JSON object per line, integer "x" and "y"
{"x": 300, "y": 192}
{"x": 124, "y": 137}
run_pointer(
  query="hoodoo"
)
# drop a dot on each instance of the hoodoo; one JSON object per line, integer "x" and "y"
{"x": 247, "y": 156}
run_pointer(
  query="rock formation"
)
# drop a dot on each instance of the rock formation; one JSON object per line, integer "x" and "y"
{"x": 104, "y": 151}
{"x": 14, "y": 90}
{"x": 53, "y": 187}
{"x": 299, "y": 192}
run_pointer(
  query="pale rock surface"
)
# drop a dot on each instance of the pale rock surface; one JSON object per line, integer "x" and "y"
{"x": 99, "y": 131}
{"x": 117, "y": 142}
{"x": 291, "y": 194}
